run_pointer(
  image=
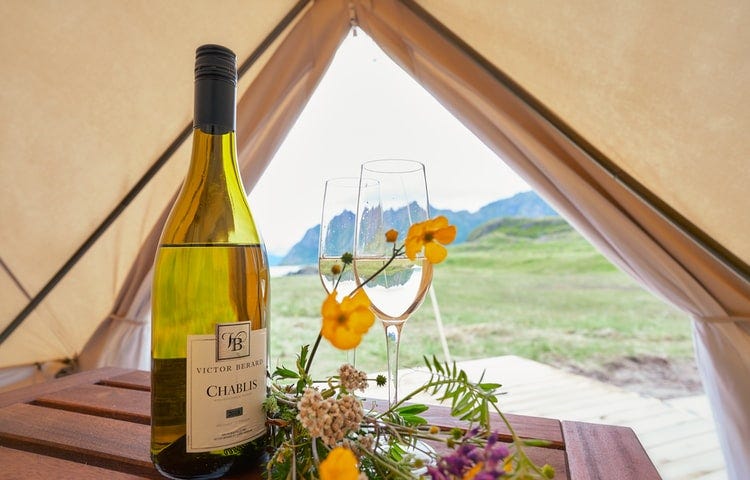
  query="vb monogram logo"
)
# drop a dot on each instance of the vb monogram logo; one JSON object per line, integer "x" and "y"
{"x": 232, "y": 340}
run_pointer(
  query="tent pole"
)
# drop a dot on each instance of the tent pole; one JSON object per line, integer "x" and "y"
{"x": 439, "y": 321}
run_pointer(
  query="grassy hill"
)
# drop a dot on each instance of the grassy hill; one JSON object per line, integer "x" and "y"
{"x": 528, "y": 287}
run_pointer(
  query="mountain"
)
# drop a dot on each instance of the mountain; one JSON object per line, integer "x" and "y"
{"x": 524, "y": 204}
{"x": 304, "y": 252}
{"x": 274, "y": 260}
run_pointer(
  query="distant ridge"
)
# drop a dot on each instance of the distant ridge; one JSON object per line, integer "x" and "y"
{"x": 525, "y": 204}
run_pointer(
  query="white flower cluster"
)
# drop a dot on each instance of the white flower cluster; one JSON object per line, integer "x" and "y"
{"x": 351, "y": 378}
{"x": 362, "y": 442}
{"x": 329, "y": 419}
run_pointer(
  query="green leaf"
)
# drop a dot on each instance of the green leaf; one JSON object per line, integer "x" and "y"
{"x": 302, "y": 358}
{"x": 412, "y": 409}
{"x": 395, "y": 451}
{"x": 413, "y": 420}
{"x": 438, "y": 367}
{"x": 488, "y": 387}
{"x": 531, "y": 442}
{"x": 301, "y": 384}
{"x": 462, "y": 406}
{"x": 283, "y": 372}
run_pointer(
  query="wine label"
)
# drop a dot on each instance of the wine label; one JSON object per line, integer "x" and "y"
{"x": 225, "y": 387}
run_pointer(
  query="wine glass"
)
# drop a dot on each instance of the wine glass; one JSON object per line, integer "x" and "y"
{"x": 395, "y": 289}
{"x": 337, "y": 237}
{"x": 337, "y": 233}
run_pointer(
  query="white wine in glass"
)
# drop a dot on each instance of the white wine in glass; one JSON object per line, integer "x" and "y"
{"x": 397, "y": 290}
{"x": 337, "y": 233}
{"x": 337, "y": 227}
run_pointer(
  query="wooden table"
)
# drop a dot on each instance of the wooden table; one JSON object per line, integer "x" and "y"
{"x": 95, "y": 425}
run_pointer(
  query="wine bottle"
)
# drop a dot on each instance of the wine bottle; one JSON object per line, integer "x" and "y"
{"x": 210, "y": 301}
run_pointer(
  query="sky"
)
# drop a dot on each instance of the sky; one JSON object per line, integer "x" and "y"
{"x": 365, "y": 108}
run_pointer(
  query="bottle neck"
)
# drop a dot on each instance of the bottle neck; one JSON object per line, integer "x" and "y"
{"x": 214, "y": 155}
{"x": 215, "y": 111}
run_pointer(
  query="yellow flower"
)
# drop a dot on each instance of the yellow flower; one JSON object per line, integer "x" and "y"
{"x": 473, "y": 472}
{"x": 432, "y": 235}
{"x": 508, "y": 465}
{"x": 344, "y": 323}
{"x": 340, "y": 464}
{"x": 391, "y": 236}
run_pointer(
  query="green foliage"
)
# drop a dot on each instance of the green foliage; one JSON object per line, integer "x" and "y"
{"x": 551, "y": 298}
{"x": 468, "y": 401}
{"x": 380, "y": 440}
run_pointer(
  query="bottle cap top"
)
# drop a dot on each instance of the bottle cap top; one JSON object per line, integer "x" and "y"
{"x": 216, "y": 62}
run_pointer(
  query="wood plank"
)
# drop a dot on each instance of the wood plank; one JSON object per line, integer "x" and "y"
{"x": 530, "y": 427}
{"x": 602, "y": 451}
{"x": 556, "y": 458}
{"x": 29, "y": 393}
{"x": 102, "y": 401}
{"x": 22, "y": 465}
{"x": 691, "y": 428}
{"x": 98, "y": 441}
{"x": 698, "y": 465}
{"x": 136, "y": 380}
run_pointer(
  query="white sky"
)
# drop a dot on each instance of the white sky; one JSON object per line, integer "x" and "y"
{"x": 366, "y": 107}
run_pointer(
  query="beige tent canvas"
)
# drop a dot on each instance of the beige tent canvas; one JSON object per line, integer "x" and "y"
{"x": 629, "y": 117}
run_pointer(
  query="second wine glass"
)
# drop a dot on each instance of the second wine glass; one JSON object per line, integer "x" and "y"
{"x": 337, "y": 234}
{"x": 337, "y": 228}
{"x": 397, "y": 290}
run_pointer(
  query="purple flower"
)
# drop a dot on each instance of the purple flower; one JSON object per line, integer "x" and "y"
{"x": 487, "y": 461}
{"x": 484, "y": 475}
{"x": 436, "y": 474}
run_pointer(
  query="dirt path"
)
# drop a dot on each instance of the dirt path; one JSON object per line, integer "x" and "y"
{"x": 649, "y": 375}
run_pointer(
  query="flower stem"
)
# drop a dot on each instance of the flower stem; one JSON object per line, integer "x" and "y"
{"x": 315, "y": 451}
{"x": 312, "y": 354}
{"x": 338, "y": 279}
{"x": 396, "y": 252}
{"x": 518, "y": 443}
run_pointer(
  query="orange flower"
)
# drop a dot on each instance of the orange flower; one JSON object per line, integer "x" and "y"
{"x": 340, "y": 464}
{"x": 473, "y": 472}
{"x": 431, "y": 235}
{"x": 344, "y": 323}
{"x": 391, "y": 236}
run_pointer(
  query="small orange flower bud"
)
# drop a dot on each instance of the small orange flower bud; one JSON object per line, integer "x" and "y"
{"x": 336, "y": 269}
{"x": 391, "y": 236}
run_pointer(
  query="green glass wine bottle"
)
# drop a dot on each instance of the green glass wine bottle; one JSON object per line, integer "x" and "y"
{"x": 210, "y": 302}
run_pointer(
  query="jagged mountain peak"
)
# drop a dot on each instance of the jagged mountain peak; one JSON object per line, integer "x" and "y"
{"x": 525, "y": 204}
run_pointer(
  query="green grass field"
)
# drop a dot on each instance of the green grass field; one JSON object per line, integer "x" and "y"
{"x": 535, "y": 289}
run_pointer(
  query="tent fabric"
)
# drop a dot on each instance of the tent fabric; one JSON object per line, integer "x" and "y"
{"x": 92, "y": 95}
{"x": 660, "y": 88}
{"x": 721, "y": 353}
{"x": 628, "y": 118}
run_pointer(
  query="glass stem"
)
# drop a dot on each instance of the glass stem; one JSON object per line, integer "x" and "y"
{"x": 392, "y": 340}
